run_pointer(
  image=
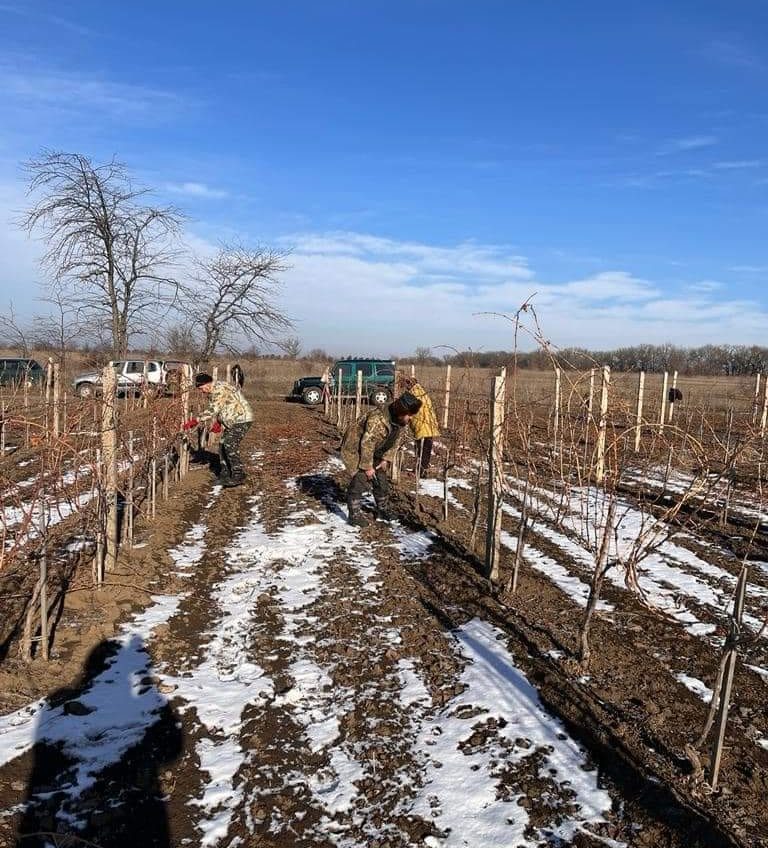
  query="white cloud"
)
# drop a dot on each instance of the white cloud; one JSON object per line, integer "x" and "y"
{"x": 354, "y": 293}
{"x": 705, "y": 286}
{"x": 738, "y": 164}
{"x": 691, "y": 142}
{"x": 27, "y": 86}
{"x": 193, "y": 189}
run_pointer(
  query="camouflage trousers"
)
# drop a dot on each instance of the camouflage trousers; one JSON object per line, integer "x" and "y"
{"x": 229, "y": 448}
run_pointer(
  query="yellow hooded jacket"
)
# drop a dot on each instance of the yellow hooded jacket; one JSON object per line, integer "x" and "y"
{"x": 424, "y": 424}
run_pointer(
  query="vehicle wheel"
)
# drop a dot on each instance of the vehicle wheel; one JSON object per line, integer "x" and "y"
{"x": 86, "y": 390}
{"x": 312, "y": 396}
{"x": 380, "y": 397}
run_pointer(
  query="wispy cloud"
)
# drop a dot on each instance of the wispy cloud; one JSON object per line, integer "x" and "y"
{"x": 45, "y": 17}
{"x": 738, "y": 164}
{"x": 705, "y": 286}
{"x": 734, "y": 54}
{"x": 195, "y": 189}
{"x": 690, "y": 142}
{"x": 26, "y": 87}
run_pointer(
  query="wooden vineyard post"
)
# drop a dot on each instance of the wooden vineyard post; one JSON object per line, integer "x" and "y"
{"x": 56, "y": 399}
{"x": 639, "y": 415}
{"x": 109, "y": 454}
{"x": 756, "y": 400}
{"x": 338, "y": 399}
{"x": 447, "y": 403}
{"x": 165, "y": 476}
{"x": 229, "y": 372}
{"x": 672, "y": 398}
{"x": 602, "y": 426}
{"x": 98, "y": 480}
{"x": 663, "y": 411}
{"x": 145, "y": 385}
{"x": 64, "y": 422}
{"x": 556, "y": 413}
{"x": 731, "y": 656}
{"x": 358, "y": 394}
{"x": 591, "y": 397}
{"x": 48, "y": 391}
{"x": 2, "y": 430}
{"x": 129, "y": 493}
{"x": 153, "y": 470}
{"x": 495, "y": 478}
{"x": 186, "y": 383}
{"x": 43, "y": 579}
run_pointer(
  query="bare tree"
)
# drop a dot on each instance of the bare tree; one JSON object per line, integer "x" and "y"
{"x": 61, "y": 327}
{"x": 108, "y": 253}
{"x": 235, "y": 298}
{"x": 181, "y": 340}
{"x": 13, "y": 332}
{"x": 291, "y": 346}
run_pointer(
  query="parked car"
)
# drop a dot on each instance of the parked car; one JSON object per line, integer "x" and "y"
{"x": 15, "y": 371}
{"x": 163, "y": 375}
{"x": 378, "y": 381}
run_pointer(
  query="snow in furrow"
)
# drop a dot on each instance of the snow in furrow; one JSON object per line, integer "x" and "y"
{"x": 117, "y": 708}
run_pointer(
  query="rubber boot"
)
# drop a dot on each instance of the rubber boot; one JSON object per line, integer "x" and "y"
{"x": 382, "y": 510}
{"x": 356, "y": 517}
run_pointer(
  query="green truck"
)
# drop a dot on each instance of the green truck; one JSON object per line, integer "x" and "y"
{"x": 378, "y": 381}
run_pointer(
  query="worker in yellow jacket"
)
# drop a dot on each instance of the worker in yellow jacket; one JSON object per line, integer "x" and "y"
{"x": 423, "y": 425}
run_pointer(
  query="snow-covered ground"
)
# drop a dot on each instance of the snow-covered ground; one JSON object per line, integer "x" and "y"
{"x": 459, "y": 755}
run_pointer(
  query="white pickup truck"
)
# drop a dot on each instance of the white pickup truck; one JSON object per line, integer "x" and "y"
{"x": 160, "y": 374}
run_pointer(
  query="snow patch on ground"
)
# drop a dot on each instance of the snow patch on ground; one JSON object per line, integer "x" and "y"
{"x": 698, "y": 687}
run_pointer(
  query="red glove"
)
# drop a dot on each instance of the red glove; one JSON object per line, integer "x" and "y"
{"x": 189, "y": 424}
{"x": 216, "y": 427}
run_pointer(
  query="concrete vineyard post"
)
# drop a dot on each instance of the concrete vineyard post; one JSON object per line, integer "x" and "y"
{"x": 663, "y": 410}
{"x": 639, "y": 414}
{"x": 153, "y": 470}
{"x": 2, "y": 430}
{"x": 338, "y": 399}
{"x": 358, "y": 394}
{"x": 109, "y": 455}
{"x": 602, "y": 426}
{"x": 764, "y": 416}
{"x": 447, "y": 404}
{"x": 215, "y": 372}
{"x": 495, "y": 478}
{"x": 229, "y": 372}
{"x": 64, "y": 424}
{"x": 413, "y": 370}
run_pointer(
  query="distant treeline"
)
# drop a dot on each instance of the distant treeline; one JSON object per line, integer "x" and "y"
{"x": 708, "y": 359}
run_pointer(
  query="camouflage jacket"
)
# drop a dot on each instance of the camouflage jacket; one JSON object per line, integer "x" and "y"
{"x": 374, "y": 436}
{"x": 227, "y": 405}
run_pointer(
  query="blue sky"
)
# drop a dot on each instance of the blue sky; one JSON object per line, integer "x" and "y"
{"x": 427, "y": 160}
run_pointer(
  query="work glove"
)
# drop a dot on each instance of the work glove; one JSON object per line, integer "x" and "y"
{"x": 190, "y": 424}
{"x": 216, "y": 427}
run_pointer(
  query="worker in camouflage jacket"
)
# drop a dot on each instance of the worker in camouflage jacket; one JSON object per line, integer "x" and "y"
{"x": 232, "y": 416}
{"x": 368, "y": 445}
